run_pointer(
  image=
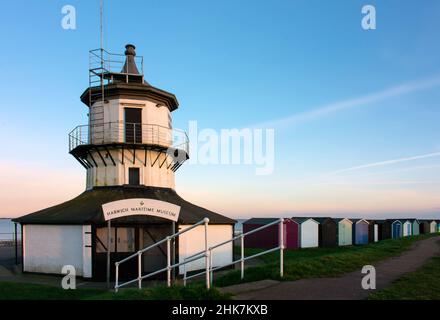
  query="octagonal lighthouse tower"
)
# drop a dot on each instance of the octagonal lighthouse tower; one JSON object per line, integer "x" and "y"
{"x": 129, "y": 139}
{"x": 131, "y": 152}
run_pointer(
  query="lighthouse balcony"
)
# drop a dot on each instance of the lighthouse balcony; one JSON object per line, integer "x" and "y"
{"x": 105, "y": 136}
{"x": 128, "y": 133}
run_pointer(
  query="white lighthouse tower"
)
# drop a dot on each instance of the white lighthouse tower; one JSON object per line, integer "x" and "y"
{"x": 130, "y": 151}
{"x": 129, "y": 139}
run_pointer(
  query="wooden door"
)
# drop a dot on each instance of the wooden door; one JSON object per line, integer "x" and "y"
{"x": 133, "y": 125}
{"x": 122, "y": 244}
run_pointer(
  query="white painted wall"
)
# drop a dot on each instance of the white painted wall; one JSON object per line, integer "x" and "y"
{"x": 433, "y": 226}
{"x": 47, "y": 248}
{"x": 118, "y": 175}
{"x": 194, "y": 241}
{"x": 110, "y": 175}
{"x": 309, "y": 234}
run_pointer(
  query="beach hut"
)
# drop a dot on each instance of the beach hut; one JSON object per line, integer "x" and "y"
{"x": 407, "y": 228}
{"x": 373, "y": 231}
{"x": 396, "y": 229}
{"x": 438, "y": 225}
{"x": 291, "y": 234}
{"x": 360, "y": 231}
{"x": 424, "y": 226}
{"x": 345, "y": 233}
{"x": 269, "y": 237}
{"x": 384, "y": 229}
{"x": 415, "y": 227}
{"x": 328, "y": 232}
{"x": 433, "y": 226}
{"x": 308, "y": 232}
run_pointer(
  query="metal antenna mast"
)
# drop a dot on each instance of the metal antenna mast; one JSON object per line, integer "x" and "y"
{"x": 101, "y": 31}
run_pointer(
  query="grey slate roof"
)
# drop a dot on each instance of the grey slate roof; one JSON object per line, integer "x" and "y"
{"x": 261, "y": 221}
{"x": 86, "y": 208}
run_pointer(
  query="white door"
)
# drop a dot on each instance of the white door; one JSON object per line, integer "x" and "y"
{"x": 376, "y": 233}
{"x": 309, "y": 234}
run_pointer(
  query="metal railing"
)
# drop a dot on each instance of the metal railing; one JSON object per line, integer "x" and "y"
{"x": 242, "y": 259}
{"x": 169, "y": 266}
{"x": 133, "y": 133}
{"x": 103, "y": 62}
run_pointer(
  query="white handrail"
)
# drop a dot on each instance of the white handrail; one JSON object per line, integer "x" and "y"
{"x": 169, "y": 267}
{"x": 242, "y": 259}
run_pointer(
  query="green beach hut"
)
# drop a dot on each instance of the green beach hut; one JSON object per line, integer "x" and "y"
{"x": 345, "y": 232}
{"x": 415, "y": 227}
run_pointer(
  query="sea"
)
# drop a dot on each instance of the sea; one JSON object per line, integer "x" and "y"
{"x": 239, "y": 225}
{"x": 7, "y": 230}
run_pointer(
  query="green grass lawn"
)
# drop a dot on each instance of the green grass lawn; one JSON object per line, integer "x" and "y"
{"x": 423, "y": 284}
{"x": 25, "y": 291}
{"x": 299, "y": 264}
{"x": 318, "y": 262}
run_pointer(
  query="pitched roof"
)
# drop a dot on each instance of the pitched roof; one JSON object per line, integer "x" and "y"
{"x": 86, "y": 208}
{"x": 261, "y": 221}
{"x": 358, "y": 220}
{"x": 303, "y": 219}
{"x": 341, "y": 219}
{"x": 322, "y": 219}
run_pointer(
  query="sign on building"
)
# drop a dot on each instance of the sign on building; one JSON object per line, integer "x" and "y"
{"x": 148, "y": 207}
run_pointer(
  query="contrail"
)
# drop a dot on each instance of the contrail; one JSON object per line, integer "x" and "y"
{"x": 351, "y": 103}
{"x": 388, "y": 162}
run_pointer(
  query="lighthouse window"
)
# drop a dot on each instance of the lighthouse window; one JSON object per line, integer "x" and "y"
{"x": 133, "y": 176}
{"x": 133, "y": 125}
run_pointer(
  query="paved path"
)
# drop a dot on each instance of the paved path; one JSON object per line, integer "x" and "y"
{"x": 347, "y": 287}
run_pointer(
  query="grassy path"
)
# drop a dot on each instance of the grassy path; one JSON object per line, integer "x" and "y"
{"x": 320, "y": 262}
{"x": 423, "y": 284}
{"x": 344, "y": 287}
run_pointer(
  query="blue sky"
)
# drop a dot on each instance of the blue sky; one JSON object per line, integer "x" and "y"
{"x": 234, "y": 64}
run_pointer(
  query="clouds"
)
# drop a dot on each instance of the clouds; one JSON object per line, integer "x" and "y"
{"x": 321, "y": 111}
{"x": 387, "y": 162}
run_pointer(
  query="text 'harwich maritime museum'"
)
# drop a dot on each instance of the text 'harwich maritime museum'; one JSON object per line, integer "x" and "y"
{"x": 130, "y": 152}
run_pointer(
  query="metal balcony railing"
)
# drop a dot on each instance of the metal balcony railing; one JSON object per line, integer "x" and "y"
{"x": 130, "y": 133}
{"x": 104, "y": 61}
